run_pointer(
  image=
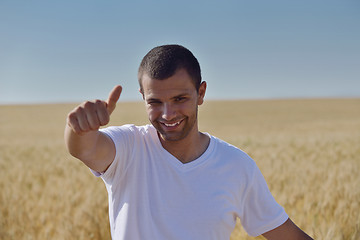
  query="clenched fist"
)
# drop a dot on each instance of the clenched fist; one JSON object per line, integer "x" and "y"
{"x": 91, "y": 115}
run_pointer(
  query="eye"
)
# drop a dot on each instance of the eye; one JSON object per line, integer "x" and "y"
{"x": 154, "y": 102}
{"x": 180, "y": 99}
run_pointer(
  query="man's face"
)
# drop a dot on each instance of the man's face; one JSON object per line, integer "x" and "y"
{"x": 172, "y": 105}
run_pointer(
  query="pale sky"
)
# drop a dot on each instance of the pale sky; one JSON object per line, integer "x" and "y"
{"x": 71, "y": 51}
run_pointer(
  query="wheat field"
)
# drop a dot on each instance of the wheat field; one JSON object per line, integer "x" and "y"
{"x": 308, "y": 151}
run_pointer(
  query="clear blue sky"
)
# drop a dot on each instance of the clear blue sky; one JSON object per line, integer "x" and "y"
{"x": 70, "y": 51}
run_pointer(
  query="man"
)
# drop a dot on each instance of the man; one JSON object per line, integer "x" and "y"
{"x": 168, "y": 180}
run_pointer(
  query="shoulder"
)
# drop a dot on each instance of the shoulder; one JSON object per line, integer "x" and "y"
{"x": 230, "y": 151}
{"x": 128, "y": 140}
{"x": 233, "y": 158}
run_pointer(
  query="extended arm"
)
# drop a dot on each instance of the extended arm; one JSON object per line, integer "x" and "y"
{"x": 82, "y": 136}
{"x": 287, "y": 231}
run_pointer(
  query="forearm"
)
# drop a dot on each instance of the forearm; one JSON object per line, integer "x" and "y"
{"x": 286, "y": 231}
{"x": 81, "y": 145}
{"x": 82, "y": 136}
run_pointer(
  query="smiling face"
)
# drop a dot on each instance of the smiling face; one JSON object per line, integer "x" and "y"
{"x": 172, "y": 105}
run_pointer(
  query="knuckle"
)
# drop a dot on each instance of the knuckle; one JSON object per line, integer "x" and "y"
{"x": 88, "y": 104}
{"x": 76, "y": 111}
{"x": 106, "y": 120}
{"x": 99, "y": 102}
{"x": 71, "y": 117}
{"x": 85, "y": 128}
{"x": 77, "y": 130}
{"x": 94, "y": 125}
{"x": 100, "y": 105}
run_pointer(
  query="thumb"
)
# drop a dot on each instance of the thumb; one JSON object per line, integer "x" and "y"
{"x": 113, "y": 98}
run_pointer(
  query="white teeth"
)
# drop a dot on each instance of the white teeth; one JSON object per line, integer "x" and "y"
{"x": 171, "y": 124}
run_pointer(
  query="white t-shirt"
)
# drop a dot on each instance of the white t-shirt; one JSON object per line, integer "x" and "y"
{"x": 152, "y": 195}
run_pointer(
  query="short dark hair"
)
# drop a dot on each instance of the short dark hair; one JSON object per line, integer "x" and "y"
{"x": 163, "y": 61}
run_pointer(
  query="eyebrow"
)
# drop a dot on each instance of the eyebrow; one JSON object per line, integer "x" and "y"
{"x": 174, "y": 97}
{"x": 152, "y": 99}
{"x": 180, "y": 95}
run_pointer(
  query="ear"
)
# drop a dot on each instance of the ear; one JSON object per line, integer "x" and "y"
{"x": 142, "y": 93}
{"x": 201, "y": 93}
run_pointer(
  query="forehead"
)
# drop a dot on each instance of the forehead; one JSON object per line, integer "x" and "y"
{"x": 179, "y": 83}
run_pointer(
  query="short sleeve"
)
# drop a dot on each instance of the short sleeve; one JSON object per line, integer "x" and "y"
{"x": 261, "y": 213}
{"x": 123, "y": 138}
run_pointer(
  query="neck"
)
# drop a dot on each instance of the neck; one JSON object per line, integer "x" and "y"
{"x": 188, "y": 149}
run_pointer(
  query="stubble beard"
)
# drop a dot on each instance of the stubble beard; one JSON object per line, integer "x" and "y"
{"x": 173, "y": 136}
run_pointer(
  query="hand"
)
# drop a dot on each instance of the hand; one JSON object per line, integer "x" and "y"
{"x": 91, "y": 115}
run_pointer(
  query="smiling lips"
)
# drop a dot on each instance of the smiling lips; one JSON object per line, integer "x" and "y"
{"x": 172, "y": 124}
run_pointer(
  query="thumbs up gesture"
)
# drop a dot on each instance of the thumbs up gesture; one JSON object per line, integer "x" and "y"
{"x": 91, "y": 115}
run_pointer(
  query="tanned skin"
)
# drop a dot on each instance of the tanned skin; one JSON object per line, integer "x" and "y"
{"x": 172, "y": 109}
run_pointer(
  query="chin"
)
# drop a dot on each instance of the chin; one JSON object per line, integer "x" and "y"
{"x": 172, "y": 138}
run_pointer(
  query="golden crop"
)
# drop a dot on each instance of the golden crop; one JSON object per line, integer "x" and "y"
{"x": 308, "y": 151}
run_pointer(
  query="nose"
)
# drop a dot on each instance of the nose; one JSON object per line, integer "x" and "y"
{"x": 168, "y": 112}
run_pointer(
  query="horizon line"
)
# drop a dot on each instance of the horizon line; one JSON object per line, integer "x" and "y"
{"x": 209, "y": 99}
